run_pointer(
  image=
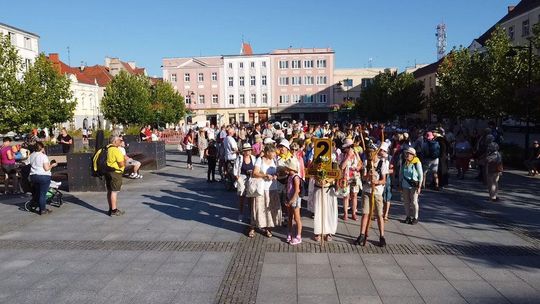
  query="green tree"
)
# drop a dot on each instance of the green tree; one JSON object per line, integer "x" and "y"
{"x": 46, "y": 97}
{"x": 167, "y": 105}
{"x": 391, "y": 95}
{"x": 10, "y": 65}
{"x": 127, "y": 100}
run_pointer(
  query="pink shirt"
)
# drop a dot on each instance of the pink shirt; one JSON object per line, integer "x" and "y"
{"x": 4, "y": 156}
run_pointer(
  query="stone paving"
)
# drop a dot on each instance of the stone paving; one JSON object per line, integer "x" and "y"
{"x": 180, "y": 242}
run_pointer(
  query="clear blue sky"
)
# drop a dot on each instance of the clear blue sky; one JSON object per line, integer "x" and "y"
{"x": 393, "y": 32}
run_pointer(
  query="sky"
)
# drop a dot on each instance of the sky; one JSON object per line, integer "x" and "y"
{"x": 394, "y": 33}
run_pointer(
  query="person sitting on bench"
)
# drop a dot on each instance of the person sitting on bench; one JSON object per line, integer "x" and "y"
{"x": 131, "y": 162}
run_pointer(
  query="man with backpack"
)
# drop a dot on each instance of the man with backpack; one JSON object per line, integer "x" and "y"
{"x": 431, "y": 151}
{"x": 110, "y": 162}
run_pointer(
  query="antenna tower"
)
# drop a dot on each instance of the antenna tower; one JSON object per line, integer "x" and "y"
{"x": 441, "y": 40}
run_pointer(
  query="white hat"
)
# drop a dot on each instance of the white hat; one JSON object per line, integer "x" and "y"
{"x": 292, "y": 164}
{"x": 285, "y": 143}
{"x": 268, "y": 141}
{"x": 347, "y": 143}
{"x": 384, "y": 146}
{"x": 411, "y": 150}
{"x": 246, "y": 147}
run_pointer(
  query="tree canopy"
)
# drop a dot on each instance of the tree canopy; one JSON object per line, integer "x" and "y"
{"x": 391, "y": 95}
{"x": 167, "y": 105}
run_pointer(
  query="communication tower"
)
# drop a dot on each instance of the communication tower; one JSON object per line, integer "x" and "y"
{"x": 441, "y": 40}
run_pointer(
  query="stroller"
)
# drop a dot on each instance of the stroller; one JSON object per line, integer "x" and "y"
{"x": 54, "y": 196}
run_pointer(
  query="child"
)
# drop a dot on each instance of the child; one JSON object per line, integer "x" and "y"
{"x": 293, "y": 201}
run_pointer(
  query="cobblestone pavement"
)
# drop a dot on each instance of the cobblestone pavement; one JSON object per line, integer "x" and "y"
{"x": 180, "y": 242}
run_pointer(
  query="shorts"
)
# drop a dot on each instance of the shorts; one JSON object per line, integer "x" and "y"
{"x": 431, "y": 165}
{"x": 366, "y": 203}
{"x": 297, "y": 204}
{"x": 113, "y": 181}
{"x": 132, "y": 162}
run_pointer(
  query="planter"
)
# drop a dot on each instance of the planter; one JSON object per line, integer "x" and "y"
{"x": 80, "y": 179}
{"x": 153, "y": 150}
{"x": 54, "y": 149}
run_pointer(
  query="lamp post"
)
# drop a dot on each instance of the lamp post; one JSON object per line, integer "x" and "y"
{"x": 513, "y": 53}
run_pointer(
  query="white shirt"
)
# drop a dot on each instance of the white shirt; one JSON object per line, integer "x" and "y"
{"x": 122, "y": 150}
{"x": 230, "y": 148}
{"x": 211, "y": 134}
{"x": 379, "y": 189}
{"x": 37, "y": 159}
{"x": 267, "y": 169}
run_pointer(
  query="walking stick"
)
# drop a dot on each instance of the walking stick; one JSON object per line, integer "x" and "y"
{"x": 322, "y": 214}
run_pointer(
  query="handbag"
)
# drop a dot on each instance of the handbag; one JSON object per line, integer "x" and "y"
{"x": 241, "y": 185}
{"x": 254, "y": 187}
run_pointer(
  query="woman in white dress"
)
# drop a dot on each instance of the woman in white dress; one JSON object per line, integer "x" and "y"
{"x": 266, "y": 210}
{"x": 324, "y": 201}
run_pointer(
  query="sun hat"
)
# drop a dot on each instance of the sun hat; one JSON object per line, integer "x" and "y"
{"x": 285, "y": 143}
{"x": 411, "y": 150}
{"x": 292, "y": 164}
{"x": 246, "y": 147}
{"x": 268, "y": 141}
{"x": 347, "y": 143}
{"x": 384, "y": 146}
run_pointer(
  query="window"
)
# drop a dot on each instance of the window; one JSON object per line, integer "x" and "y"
{"x": 253, "y": 98}
{"x": 283, "y": 64}
{"x": 201, "y": 99}
{"x": 12, "y": 38}
{"x": 242, "y": 99}
{"x": 242, "y": 82}
{"x": 214, "y": 76}
{"x": 264, "y": 98}
{"x": 322, "y": 98}
{"x": 27, "y": 43}
{"x": 321, "y": 79}
{"x": 296, "y": 80}
{"x": 188, "y": 99}
{"x": 511, "y": 33}
{"x": 231, "y": 81}
{"x": 230, "y": 65}
{"x": 284, "y": 99}
{"x": 525, "y": 28}
{"x": 308, "y": 64}
{"x": 241, "y": 117}
{"x": 252, "y": 64}
{"x": 186, "y": 77}
{"x": 263, "y": 80}
{"x": 27, "y": 63}
{"x": 173, "y": 77}
{"x": 241, "y": 65}
{"x": 252, "y": 81}
{"x": 295, "y": 64}
{"x": 295, "y": 99}
{"x": 263, "y": 64}
{"x": 283, "y": 81}
{"x": 232, "y": 118}
{"x": 321, "y": 63}
{"x": 307, "y": 98}
{"x": 200, "y": 77}
{"x": 309, "y": 80}
{"x": 231, "y": 99}
{"x": 367, "y": 81}
{"x": 215, "y": 99}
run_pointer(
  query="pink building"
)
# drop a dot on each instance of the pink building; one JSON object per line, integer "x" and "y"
{"x": 199, "y": 80}
{"x": 303, "y": 83}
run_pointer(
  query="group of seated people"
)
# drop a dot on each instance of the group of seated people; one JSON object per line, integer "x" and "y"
{"x": 10, "y": 156}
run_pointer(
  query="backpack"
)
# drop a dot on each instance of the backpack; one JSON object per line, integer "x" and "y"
{"x": 433, "y": 149}
{"x": 99, "y": 162}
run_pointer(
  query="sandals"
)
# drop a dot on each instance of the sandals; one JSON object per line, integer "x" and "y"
{"x": 317, "y": 238}
{"x": 251, "y": 233}
{"x": 268, "y": 234}
{"x": 385, "y": 219}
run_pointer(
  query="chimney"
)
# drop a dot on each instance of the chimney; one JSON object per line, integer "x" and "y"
{"x": 511, "y": 8}
{"x": 83, "y": 65}
{"x": 54, "y": 58}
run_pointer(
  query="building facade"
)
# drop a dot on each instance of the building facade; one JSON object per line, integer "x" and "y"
{"x": 26, "y": 43}
{"x": 303, "y": 82}
{"x": 199, "y": 80}
{"x": 247, "y": 84}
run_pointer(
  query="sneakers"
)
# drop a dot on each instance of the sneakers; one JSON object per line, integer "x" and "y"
{"x": 407, "y": 220}
{"x": 297, "y": 240}
{"x": 382, "y": 242}
{"x": 45, "y": 212}
{"x": 116, "y": 212}
{"x": 414, "y": 221}
{"x": 360, "y": 240}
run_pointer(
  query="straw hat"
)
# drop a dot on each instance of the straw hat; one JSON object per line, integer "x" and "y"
{"x": 347, "y": 143}
{"x": 411, "y": 150}
{"x": 292, "y": 164}
{"x": 246, "y": 147}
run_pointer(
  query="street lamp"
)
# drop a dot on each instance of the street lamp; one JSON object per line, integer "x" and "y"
{"x": 512, "y": 53}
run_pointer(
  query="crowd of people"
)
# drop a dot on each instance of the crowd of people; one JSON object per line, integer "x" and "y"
{"x": 270, "y": 164}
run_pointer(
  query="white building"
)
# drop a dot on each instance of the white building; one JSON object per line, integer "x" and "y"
{"x": 247, "y": 87}
{"x": 26, "y": 43}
